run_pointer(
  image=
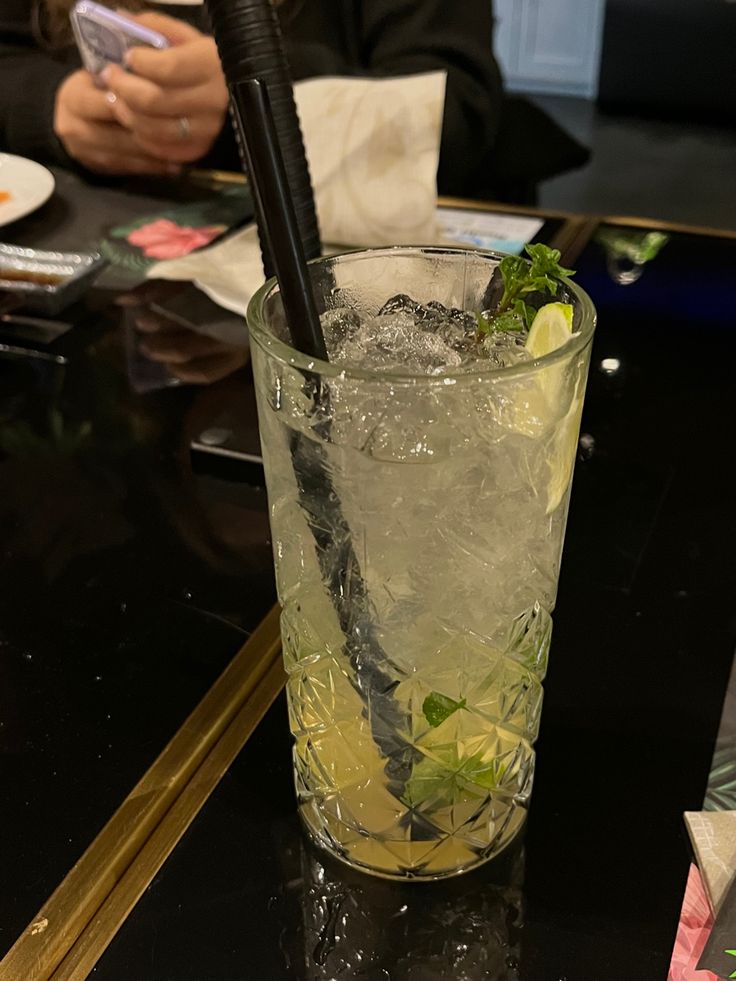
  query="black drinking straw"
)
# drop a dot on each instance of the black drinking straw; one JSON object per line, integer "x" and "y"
{"x": 375, "y": 676}
{"x": 277, "y": 216}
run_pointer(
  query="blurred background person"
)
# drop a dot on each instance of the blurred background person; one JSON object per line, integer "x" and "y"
{"x": 169, "y": 109}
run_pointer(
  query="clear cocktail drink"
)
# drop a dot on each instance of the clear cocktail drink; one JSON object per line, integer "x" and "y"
{"x": 418, "y": 486}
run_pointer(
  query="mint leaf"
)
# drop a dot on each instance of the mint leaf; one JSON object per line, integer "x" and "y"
{"x": 638, "y": 247}
{"x": 520, "y": 277}
{"x": 437, "y": 707}
{"x": 432, "y": 779}
{"x": 484, "y": 324}
{"x": 448, "y": 777}
{"x": 526, "y": 313}
{"x": 514, "y": 270}
{"x": 546, "y": 261}
{"x": 488, "y": 775}
{"x": 509, "y": 322}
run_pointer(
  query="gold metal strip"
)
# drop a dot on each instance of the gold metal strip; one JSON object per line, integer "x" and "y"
{"x": 61, "y": 920}
{"x": 466, "y": 204}
{"x": 654, "y": 225}
{"x": 577, "y": 235}
{"x": 651, "y": 224}
{"x": 204, "y": 176}
{"x": 112, "y": 914}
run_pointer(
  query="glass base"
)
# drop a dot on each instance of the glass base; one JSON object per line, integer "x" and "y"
{"x": 409, "y": 861}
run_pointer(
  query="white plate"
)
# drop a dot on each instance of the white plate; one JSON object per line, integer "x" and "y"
{"x": 30, "y": 185}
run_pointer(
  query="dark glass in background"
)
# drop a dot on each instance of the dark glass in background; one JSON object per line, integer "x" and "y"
{"x": 643, "y": 644}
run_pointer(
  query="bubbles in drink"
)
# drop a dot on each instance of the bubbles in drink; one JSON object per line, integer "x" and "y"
{"x": 504, "y": 348}
{"x": 338, "y": 326}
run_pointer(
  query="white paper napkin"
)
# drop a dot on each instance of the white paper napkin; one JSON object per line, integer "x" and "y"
{"x": 373, "y": 148}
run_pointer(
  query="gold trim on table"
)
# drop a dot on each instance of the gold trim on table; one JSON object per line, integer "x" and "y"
{"x": 199, "y": 175}
{"x": 79, "y": 910}
{"x": 120, "y": 902}
{"x": 655, "y": 225}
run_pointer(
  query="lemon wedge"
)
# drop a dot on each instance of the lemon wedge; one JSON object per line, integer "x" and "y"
{"x": 551, "y": 328}
{"x": 561, "y": 455}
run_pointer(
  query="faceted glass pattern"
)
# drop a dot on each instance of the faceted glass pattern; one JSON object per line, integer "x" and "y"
{"x": 417, "y": 529}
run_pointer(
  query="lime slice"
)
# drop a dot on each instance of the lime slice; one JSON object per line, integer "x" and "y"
{"x": 561, "y": 455}
{"x": 540, "y": 406}
{"x": 551, "y": 328}
{"x": 536, "y": 402}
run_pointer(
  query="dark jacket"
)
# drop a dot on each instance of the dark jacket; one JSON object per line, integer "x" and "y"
{"x": 323, "y": 37}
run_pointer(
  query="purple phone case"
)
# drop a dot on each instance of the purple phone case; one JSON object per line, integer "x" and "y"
{"x": 103, "y": 36}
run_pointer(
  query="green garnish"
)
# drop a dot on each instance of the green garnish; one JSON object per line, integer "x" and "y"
{"x": 638, "y": 247}
{"x": 520, "y": 278}
{"x": 449, "y": 777}
{"x": 438, "y": 707}
{"x": 445, "y": 775}
{"x": 504, "y": 322}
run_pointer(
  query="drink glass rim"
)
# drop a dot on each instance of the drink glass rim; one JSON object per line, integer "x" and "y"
{"x": 289, "y": 355}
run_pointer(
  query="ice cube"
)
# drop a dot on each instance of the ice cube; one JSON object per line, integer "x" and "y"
{"x": 395, "y": 342}
{"x": 338, "y": 325}
{"x": 401, "y": 303}
{"x": 428, "y": 338}
{"x": 457, "y": 328}
{"x": 429, "y": 315}
{"x": 504, "y": 348}
{"x": 435, "y": 313}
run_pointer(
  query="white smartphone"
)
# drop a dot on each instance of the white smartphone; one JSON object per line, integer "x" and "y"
{"x": 103, "y": 36}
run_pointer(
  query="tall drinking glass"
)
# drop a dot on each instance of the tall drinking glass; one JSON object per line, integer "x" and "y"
{"x": 417, "y": 524}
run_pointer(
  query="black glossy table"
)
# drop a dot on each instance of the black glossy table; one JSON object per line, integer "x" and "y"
{"x": 643, "y": 646}
{"x": 127, "y": 580}
{"x": 130, "y": 581}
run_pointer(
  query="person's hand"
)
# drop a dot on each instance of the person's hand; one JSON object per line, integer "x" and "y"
{"x": 174, "y": 101}
{"x": 191, "y": 356}
{"x": 85, "y": 124}
{"x": 194, "y": 358}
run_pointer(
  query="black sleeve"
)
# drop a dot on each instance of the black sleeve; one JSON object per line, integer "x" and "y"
{"x": 403, "y": 36}
{"x": 29, "y": 79}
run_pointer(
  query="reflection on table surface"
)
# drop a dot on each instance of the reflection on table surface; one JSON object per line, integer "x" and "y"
{"x": 640, "y": 660}
{"x": 272, "y": 905}
{"x": 127, "y": 583}
{"x": 643, "y": 646}
{"x": 129, "y": 579}
{"x": 353, "y": 924}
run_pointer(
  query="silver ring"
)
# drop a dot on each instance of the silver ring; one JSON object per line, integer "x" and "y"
{"x": 185, "y": 130}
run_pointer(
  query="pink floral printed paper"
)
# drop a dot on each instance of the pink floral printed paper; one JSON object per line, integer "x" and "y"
{"x": 696, "y": 921}
{"x": 165, "y": 239}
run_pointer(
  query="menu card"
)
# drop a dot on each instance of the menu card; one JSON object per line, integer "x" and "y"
{"x": 488, "y": 229}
